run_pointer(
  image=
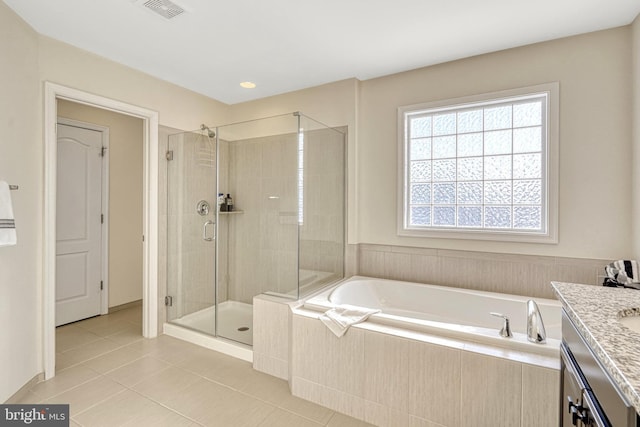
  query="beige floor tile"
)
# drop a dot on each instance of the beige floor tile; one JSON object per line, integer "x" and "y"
{"x": 261, "y": 386}
{"x": 130, "y": 409}
{"x": 97, "y": 322}
{"x": 212, "y": 404}
{"x": 127, "y": 336}
{"x": 169, "y": 349}
{"x": 223, "y": 369}
{"x": 166, "y": 384}
{"x": 137, "y": 371}
{"x": 110, "y": 328}
{"x": 29, "y": 397}
{"x": 113, "y": 360}
{"x": 88, "y": 394}
{"x": 341, "y": 420}
{"x": 63, "y": 381}
{"x": 72, "y": 423}
{"x": 202, "y": 361}
{"x": 72, "y": 336}
{"x": 307, "y": 409}
{"x": 281, "y": 418}
{"x": 84, "y": 353}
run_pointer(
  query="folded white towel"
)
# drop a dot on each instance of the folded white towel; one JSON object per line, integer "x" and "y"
{"x": 340, "y": 318}
{"x": 7, "y": 223}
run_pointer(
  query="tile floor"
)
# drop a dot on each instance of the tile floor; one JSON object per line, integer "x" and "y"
{"x": 111, "y": 376}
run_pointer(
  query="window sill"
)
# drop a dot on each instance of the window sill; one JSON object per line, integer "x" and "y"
{"x": 494, "y": 235}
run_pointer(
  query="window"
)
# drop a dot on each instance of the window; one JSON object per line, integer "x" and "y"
{"x": 482, "y": 167}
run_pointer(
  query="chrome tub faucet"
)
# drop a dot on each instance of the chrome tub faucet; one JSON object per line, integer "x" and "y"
{"x": 535, "y": 326}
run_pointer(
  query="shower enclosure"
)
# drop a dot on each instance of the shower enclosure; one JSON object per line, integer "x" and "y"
{"x": 284, "y": 236}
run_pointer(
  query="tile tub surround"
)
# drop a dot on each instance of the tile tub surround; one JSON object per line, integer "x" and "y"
{"x": 391, "y": 377}
{"x": 595, "y": 310}
{"x": 514, "y": 274}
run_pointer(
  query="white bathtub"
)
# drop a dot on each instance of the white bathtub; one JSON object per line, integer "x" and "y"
{"x": 455, "y": 313}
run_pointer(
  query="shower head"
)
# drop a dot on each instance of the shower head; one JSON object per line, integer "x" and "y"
{"x": 210, "y": 133}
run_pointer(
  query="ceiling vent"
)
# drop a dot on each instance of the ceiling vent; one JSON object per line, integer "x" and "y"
{"x": 164, "y": 8}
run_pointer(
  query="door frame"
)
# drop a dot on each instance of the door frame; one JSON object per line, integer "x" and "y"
{"x": 104, "y": 230}
{"x": 52, "y": 92}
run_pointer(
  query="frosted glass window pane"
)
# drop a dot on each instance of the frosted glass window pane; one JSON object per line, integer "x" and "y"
{"x": 421, "y": 171}
{"x": 497, "y": 217}
{"x": 444, "y": 147}
{"x": 497, "y": 192}
{"x": 470, "y": 121}
{"x": 469, "y": 193}
{"x": 444, "y": 194}
{"x": 497, "y": 167}
{"x": 469, "y": 216}
{"x": 529, "y": 114}
{"x": 420, "y": 149}
{"x": 420, "y": 194}
{"x": 470, "y": 145}
{"x": 470, "y": 169}
{"x": 527, "y": 166}
{"x": 477, "y": 166}
{"x": 420, "y": 127}
{"x": 497, "y": 118}
{"x": 527, "y": 140}
{"x": 420, "y": 215}
{"x": 527, "y": 192}
{"x": 444, "y": 215}
{"x": 497, "y": 142}
{"x": 444, "y": 124}
{"x": 444, "y": 170}
{"x": 527, "y": 217}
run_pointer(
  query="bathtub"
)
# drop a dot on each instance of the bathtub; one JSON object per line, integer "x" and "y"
{"x": 453, "y": 313}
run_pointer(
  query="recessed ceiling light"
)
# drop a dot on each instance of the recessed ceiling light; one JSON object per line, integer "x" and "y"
{"x": 248, "y": 85}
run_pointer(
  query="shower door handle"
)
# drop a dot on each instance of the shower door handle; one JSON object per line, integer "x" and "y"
{"x": 204, "y": 231}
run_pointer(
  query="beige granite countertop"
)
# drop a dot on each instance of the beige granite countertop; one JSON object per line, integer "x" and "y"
{"x": 595, "y": 311}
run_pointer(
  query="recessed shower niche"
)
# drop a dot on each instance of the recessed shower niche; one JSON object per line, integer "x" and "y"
{"x": 284, "y": 234}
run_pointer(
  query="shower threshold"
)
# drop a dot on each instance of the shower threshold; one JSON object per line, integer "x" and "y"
{"x": 235, "y": 329}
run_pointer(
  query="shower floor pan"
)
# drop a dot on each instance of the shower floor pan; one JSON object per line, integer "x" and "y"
{"x": 235, "y": 321}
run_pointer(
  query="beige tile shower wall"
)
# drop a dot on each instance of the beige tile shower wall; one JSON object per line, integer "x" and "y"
{"x": 323, "y": 229}
{"x": 396, "y": 382}
{"x": 527, "y": 275}
{"x": 263, "y": 184}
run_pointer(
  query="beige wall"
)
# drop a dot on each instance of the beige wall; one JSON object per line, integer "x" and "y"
{"x": 26, "y": 61}
{"x": 178, "y": 107}
{"x": 635, "y": 52}
{"x": 125, "y": 197}
{"x": 595, "y": 139}
{"x": 20, "y": 164}
{"x": 334, "y": 104}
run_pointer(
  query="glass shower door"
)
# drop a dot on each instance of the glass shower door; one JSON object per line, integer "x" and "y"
{"x": 191, "y": 244}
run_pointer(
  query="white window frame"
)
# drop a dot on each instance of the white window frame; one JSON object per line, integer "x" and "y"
{"x": 550, "y": 169}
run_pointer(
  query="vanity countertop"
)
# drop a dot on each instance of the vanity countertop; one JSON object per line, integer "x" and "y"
{"x": 595, "y": 311}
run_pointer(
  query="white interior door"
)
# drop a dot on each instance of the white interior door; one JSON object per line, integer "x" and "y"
{"x": 78, "y": 224}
